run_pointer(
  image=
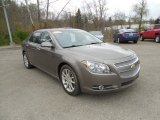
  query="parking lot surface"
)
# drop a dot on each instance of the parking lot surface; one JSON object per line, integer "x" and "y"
{"x": 34, "y": 95}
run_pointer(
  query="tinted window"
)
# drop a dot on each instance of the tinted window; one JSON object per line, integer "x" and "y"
{"x": 35, "y": 37}
{"x": 45, "y": 37}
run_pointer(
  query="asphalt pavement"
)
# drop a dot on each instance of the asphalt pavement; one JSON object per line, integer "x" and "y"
{"x": 34, "y": 95}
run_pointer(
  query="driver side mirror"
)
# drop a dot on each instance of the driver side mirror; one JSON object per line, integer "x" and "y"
{"x": 47, "y": 44}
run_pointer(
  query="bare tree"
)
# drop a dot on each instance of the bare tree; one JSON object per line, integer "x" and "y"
{"x": 96, "y": 12}
{"x": 30, "y": 16}
{"x": 47, "y": 11}
{"x": 62, "y": 9}
{"x": 140, "y": 10}
{"x": 39, "y": 14}
{"x": 45, "y": 24}
{"x": 119, "y": 18}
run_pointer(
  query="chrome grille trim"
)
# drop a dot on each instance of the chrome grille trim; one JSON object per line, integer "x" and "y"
{"x": 127, "y": 65}
{"x": 131, "y": 62}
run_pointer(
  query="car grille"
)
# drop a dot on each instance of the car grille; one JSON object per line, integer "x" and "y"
{"x": 127, "y": 68}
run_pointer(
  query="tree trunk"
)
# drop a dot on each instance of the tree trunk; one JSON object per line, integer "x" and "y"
{"x": 30, "y": 16}
{"x": 45, "y": 24}
{"x": 39, "y": 17}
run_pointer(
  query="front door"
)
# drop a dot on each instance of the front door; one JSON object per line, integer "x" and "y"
{"x": 47, "y": 57}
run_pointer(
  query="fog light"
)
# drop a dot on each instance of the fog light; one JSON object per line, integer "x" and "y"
{"x": 101, "y": 87}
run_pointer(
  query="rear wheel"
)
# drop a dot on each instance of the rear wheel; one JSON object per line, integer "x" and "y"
{"x": 157, "y": 39}
{"x": 135, "y": 41}
{"x": 141, "y": 38}
{"x": 114, "y": 40}
{"x": 69, "y": 80}
{"x": 26, "y": 62}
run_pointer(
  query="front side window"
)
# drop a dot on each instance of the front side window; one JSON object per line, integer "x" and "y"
{"x": 35, "y": 38}
{"x": 68, "y": 38}
{"x": 45, "y": 37}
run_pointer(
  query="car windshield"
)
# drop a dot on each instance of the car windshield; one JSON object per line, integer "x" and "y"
{"x": 96, "y": 32}
{"x": 74, "y": 38}
{"x": 126, "y": 30}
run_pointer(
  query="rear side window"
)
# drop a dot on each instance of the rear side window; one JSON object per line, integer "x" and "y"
{"x": 35, "y": 38}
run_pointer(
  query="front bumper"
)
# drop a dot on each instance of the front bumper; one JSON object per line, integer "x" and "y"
{"x": 96, "y": 83}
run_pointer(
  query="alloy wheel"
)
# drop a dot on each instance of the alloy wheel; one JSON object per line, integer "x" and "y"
{"x": 68, "y": 80}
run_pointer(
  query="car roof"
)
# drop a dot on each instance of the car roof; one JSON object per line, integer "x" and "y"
{"x": 55, "y": 29}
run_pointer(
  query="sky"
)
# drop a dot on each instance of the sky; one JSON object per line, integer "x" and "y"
{"x": 112, "y": 6}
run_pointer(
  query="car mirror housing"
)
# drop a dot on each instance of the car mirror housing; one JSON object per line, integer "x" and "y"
{"x": 47, "y": 44}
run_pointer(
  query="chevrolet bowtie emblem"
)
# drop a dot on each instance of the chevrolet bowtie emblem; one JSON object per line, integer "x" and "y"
{"x": 132, "y": 66}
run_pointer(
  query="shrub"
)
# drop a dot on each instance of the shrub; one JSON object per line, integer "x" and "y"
{"x": 4, "y": 40}
{"x": 19, "y": 36}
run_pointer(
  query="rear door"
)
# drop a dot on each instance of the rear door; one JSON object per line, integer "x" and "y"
{"x": 149, "y": 33}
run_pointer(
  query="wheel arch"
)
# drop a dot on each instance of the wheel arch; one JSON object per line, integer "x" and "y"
{"x": 73, "y": 68}
{"x": 65, "y": 63}
{"x": 157, "y": 34}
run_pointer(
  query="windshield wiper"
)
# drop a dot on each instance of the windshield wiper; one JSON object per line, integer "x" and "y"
{"x": 72, "y": 46}
{"x": 94, "y": 43}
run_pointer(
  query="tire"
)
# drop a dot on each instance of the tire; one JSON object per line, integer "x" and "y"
{"x": 135, "y": 41}
{"x": 118, "y": 40}
{"x": 69, "y": 81}
{"x": 157, "y": 39}
{"x": 26, "y": 62}
{"x": 114, "y": 40}
{"x": 141, "y": 38}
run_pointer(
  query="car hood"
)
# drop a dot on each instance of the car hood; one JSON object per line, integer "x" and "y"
{"x": 102, "y": 51}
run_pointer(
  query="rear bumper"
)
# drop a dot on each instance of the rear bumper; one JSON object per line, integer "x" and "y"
{"x": 129, "y": 38}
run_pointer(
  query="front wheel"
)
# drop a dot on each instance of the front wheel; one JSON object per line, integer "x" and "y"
{"x": 157, "y": 39}
{"x": 69, "y": 80}
{"x": 135, "y": 41}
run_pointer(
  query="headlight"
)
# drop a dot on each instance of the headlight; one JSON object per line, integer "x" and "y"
{"x": 96, "y": 67}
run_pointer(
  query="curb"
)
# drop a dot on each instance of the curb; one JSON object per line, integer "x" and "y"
{"x": 10, "y": 47}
